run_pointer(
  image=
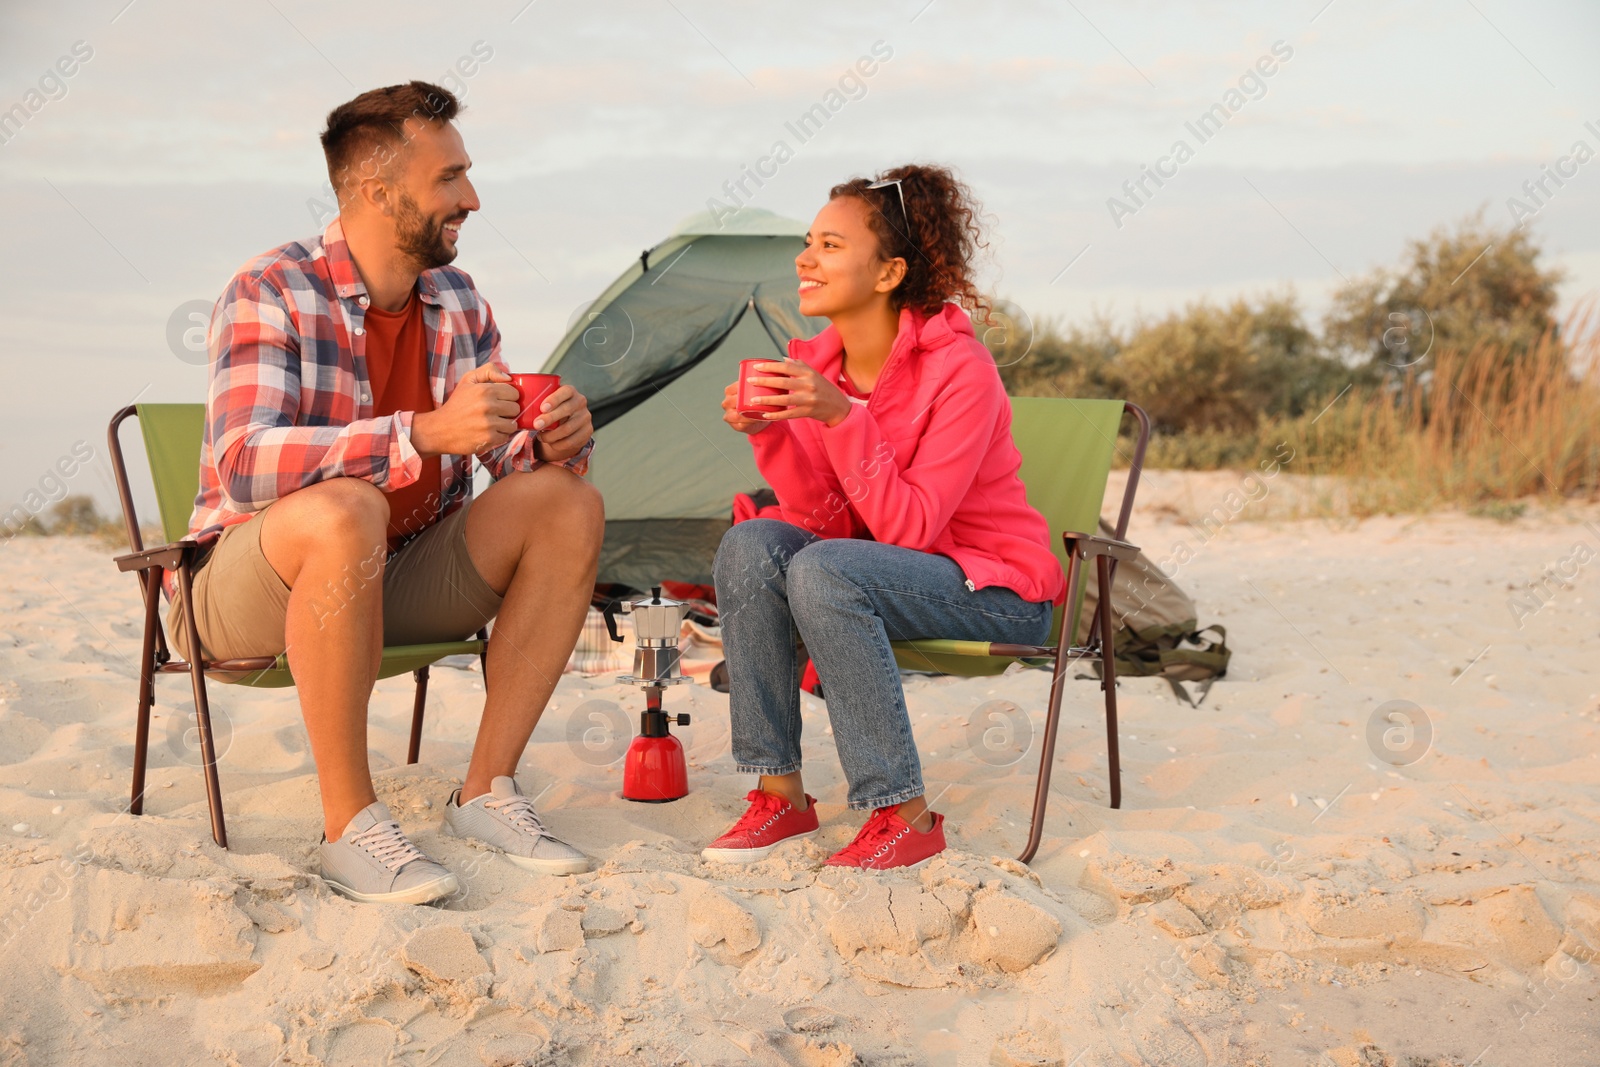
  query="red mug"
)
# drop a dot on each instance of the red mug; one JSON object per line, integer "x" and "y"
{"x": 532, "y": 391}
{"x": 750, "y": 393}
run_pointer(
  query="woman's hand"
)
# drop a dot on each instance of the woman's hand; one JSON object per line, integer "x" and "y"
{"x": 731, "y": 416}
{"x": 807, "y": 394}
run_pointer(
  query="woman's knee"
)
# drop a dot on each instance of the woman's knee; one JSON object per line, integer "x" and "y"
{"x": 753, "y": 547}
{"x": 820, "y": 577}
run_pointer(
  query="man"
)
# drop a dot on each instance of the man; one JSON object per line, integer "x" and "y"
{"x": 353, "y": 379}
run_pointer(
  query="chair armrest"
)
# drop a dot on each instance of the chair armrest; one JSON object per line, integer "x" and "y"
{"x": 167, "y": 556}
{"x": 1088, "y": 546}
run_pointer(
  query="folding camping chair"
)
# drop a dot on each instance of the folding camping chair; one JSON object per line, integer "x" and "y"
{"x": 1066, "y": 448}
{"x": 172, "y": 439}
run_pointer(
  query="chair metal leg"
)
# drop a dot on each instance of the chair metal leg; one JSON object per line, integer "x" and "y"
{"x": 421, "y": 675}
{"x": 150, "y": 583}
{"x": 1052, "y": 718}
{"x": 483, "y": 657}
{"x": 197, "y": 676}
{"x": 1108, "y": 677}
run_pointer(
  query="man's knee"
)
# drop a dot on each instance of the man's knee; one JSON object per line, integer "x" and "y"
{"x": 343, "y": 518}
{"x": 340, "y": 505}
{"x": 555, "y": 497}
{"x": 587, "y": 505}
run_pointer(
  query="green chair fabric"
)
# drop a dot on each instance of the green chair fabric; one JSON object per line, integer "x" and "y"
{"x": 173, "y": 434}
{"x": 1067, "y": 447}
{"x": 397, "y": 659}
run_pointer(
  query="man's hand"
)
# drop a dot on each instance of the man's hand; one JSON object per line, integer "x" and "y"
{"x": 564, "y": 425}
{"x": 479, "y": 414}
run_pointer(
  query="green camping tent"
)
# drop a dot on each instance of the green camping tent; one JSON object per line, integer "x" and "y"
{"x": 652, "y": 355}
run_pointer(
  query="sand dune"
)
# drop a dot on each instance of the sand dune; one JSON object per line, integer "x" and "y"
{"x": 1272, "y": 892}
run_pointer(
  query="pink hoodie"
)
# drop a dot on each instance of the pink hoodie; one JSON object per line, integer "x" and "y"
{"x": 927, "y": 463}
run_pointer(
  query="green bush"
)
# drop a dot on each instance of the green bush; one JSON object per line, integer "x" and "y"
{"x": 1471, "y": 286}
{"x": 1204, "y": 370}
{"x": 1444, "y": 380}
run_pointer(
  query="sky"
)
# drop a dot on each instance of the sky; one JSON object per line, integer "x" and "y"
{"x": 184, "y": 142}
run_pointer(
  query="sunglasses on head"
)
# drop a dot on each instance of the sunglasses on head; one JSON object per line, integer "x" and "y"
{"x": 904, "y": 214}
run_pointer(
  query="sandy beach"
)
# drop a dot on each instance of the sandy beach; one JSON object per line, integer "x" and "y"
{"x": 1278, "y": 888}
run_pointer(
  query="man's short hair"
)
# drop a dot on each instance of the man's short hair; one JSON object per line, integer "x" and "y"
{"x": 364, "y": 135}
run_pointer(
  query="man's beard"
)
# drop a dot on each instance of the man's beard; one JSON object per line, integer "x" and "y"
{"x": 420, "y": 237}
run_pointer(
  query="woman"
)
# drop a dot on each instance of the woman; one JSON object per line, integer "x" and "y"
{"x": 890, "y": 452}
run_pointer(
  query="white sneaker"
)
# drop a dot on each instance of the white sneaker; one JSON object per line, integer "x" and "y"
{"x": 374, "y": 862}
{"x": 504, "y": 820}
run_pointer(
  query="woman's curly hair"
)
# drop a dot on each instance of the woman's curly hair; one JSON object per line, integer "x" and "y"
{"x": 938, "y": 234}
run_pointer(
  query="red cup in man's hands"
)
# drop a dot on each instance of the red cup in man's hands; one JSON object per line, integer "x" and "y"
{"x": 532, "y": 391}
{"x": 749, "y": 393}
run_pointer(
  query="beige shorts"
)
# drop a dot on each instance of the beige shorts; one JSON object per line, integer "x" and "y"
{"x": 431, "y": 592}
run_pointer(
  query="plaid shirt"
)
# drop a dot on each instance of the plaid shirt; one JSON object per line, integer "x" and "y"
{"x": 290, "y": 402}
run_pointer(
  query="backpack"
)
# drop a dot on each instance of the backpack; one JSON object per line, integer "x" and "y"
{"x": 1157, "y": 630}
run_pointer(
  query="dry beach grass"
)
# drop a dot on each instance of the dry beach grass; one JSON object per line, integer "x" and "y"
{"x": 1483, "y": 429}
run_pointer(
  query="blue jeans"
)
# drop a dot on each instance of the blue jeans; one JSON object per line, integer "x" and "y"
{"x": 847, "y": 599}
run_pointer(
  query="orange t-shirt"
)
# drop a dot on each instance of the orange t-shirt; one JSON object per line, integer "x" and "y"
{"x": 397, "y": 364}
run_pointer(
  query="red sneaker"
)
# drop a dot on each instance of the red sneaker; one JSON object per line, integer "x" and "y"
{"x": 887, "y": 841}
{"x": 767, "y": 823}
